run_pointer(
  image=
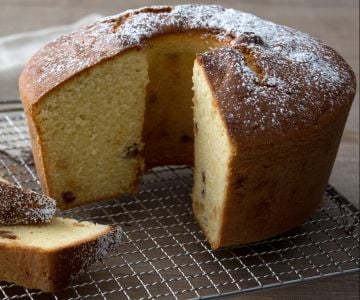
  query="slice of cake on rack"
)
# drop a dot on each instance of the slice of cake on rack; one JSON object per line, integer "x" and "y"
{"x": 49, "y": 256}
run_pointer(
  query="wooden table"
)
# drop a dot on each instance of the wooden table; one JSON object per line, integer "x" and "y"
{"x": 334, "y": 22}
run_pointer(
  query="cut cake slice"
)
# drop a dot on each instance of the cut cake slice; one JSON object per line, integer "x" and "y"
{"x": 48, "y": 256}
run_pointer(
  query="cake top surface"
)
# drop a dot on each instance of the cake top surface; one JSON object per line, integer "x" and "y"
{"x": 19, "y": 206}
{"x": 262, "y": 93}
{"x": 58, "y": 234}
{"x": 294, "y": 73}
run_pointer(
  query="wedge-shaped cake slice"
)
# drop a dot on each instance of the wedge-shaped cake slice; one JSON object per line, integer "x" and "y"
{"x": 48, "y": 256}
{"x": 19, "y": 206}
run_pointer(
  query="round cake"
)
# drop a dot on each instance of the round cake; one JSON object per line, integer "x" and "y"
{"x": 257, "y": 108}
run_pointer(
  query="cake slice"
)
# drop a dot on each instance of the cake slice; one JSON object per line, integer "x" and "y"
{"x": 19, "y": 206}
{"x": 48, "y": 256}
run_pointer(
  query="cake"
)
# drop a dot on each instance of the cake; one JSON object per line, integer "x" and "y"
{"x": 48, "y": 256}
{"x": 19, "y": 206}
{"x": 257, "y": 108}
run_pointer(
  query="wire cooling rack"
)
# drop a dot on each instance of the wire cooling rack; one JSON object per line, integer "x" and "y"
{"x": 164, "y": 254}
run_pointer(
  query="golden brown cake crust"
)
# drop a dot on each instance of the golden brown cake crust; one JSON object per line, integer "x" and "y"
{"x": 286, "y": 78}
{"x": 282, "y": 189}
{"x": 265, "y": 98}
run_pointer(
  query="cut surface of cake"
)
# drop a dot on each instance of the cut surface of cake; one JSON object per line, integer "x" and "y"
{"x": 19, "y": 206}
{"x": 86, "y": 130}
{"x": 107, "y": 102}
{"x": 48, "y": 256}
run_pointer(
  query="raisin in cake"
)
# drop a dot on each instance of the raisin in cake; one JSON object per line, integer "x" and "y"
{"x": 115, "y": 97}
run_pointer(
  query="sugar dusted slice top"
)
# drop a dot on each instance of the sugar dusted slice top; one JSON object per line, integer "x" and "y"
{"x": 19, "y": 206}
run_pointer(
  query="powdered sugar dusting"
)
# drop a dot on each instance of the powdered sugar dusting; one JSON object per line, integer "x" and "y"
{"x": 91, "y": 253}
{"x": 18, "y": 206}
{"x": 300, "y": 74}
{"x": 286, "y": 95}
{"x": 109, "y": 242}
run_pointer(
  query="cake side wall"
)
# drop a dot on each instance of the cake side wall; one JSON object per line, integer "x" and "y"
{"x": 25, "y": 267}
{"x": 277, "y": 187}
{"x": 36, "y": 146}
{"x": 68, "y": 263}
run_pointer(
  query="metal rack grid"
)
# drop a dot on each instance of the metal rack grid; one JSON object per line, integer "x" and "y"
{"x": 164, "y": 254}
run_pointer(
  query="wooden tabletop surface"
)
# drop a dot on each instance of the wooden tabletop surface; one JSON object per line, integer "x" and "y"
{"x": 335, "y": 22}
